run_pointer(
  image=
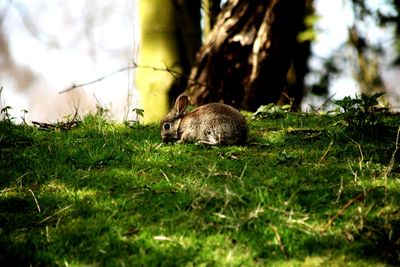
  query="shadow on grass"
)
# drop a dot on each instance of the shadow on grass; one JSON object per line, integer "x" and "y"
{"x": 110, "y": 225}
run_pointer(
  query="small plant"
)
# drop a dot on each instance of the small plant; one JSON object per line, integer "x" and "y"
{"x": 102, "y": 111}
{"x": 272, "y": 111}
{"x": 362, "y": 112}
{"x": 139, "y": 114}
{"x": 5, "y": 114}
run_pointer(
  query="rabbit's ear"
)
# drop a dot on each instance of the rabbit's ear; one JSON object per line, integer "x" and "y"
{"x": 181, "y": 104}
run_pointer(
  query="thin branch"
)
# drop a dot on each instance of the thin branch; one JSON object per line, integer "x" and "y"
{"x": 173, "y": 73}
{"x": 68, "y": 125}
{"x": 74, "y": 86}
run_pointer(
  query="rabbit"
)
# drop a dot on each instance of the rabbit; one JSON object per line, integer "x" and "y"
{"x": 210, "y": 124}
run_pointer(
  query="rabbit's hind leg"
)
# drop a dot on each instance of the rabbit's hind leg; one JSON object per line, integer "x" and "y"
{"x": 212, "y": 141}
{"x": 204, "y": 142}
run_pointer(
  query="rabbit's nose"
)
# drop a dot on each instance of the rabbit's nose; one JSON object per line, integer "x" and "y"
{"x": 166, "y": 138}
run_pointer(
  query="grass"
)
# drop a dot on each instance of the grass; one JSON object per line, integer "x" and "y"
{"x": 303, "y": 192}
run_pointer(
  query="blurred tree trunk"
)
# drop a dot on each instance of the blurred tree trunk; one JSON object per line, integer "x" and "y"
{"x": 211, "y": 9}
{"x": 170, "y": 36}
{"x": 245, "y": 59}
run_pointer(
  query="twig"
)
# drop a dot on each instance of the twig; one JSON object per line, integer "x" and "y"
{"x": 348, "y": 204}
{"x": 74, "y": 86}
{"x": 167, "y": 69}
{"x": 174, "y": 73}
{"x": 59, "y": 125}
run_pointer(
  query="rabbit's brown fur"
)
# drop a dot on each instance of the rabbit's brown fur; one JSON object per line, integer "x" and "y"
{"x": 211, "y": 124}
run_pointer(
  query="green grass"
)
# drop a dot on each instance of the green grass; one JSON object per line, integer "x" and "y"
{"x": 303, "y": 192}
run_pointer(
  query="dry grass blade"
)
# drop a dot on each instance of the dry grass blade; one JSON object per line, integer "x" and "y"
{"x": 34, "y": 197}
{"x": 56, "y": 213}
{"x": 348, "y": 204}
{"x": 279, "y": 241}
{"x": 325, "y": 153}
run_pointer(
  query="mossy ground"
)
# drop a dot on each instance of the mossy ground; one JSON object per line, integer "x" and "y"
{"x": 303, "y": 192}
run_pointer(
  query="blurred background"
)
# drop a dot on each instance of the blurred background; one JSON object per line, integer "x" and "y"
{"x": 47, "y": 47}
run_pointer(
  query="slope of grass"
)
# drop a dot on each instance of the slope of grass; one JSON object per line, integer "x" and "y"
{"x": 303, "y": 192}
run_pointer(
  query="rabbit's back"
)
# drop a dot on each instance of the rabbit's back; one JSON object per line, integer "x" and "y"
{"x": 215, "y": 123}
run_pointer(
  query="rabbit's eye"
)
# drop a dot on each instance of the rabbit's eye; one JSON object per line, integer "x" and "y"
{"x": 166, "y": 126}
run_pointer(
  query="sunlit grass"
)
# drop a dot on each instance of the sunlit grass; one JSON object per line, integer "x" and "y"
{"x": 302, "y": 192}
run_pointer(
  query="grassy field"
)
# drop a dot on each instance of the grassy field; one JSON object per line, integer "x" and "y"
{"x": 305, "y": 191}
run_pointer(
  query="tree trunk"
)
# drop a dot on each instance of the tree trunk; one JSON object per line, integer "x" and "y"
{"x": 246, "y": 58}
{"x": 169, "y": 39}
